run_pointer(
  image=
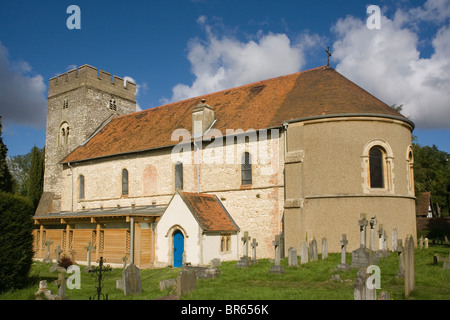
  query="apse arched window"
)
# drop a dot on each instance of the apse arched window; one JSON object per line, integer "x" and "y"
{"x": 81, "y": 193}
{"x": 124, "y": 182}
{"x": 246, "y": 169}
{"x": 179, "y": 176}
{"x": 376, "y": 167}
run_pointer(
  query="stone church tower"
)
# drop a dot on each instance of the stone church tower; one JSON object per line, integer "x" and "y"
{"x": 80, "y": 102}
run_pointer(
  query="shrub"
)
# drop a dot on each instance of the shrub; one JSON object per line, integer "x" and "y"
{"x": 65, "y": 261}
{"x": 16, "y": 241}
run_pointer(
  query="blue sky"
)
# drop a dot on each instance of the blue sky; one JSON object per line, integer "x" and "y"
{"x": 179, "y": 49}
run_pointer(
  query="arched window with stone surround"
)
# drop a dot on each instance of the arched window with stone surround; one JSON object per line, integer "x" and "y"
{"x": 63, "y": 134}
{"x": 410, "y": 170}
{"x": 377, "y": 167}
{"x": 81, "y": 190}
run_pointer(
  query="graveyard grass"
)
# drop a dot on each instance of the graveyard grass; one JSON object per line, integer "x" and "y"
{"x": 311, "y": 281}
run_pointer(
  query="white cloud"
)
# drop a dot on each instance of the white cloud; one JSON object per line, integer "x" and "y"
{"x": 223, "y": 62}
{"x": 387, "y": 63}
{"x": 22, "y": 95}
{"x": 139, "y": 89}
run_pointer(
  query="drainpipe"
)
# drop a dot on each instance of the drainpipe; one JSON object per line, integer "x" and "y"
{"x": 132, "y": 239}
{"x": 71, "y": 191}
{"x": 285, "y": 126}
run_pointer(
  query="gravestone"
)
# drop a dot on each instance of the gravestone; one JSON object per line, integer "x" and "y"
{"x": 167, "y": 284}
{"x": 313, "y": 254}
{"x": 421, "y": 243}
{"x": 373, "y": 223}
{"x": 360, "y": 289}
{"x": 47, "y": 243}
{"x": 324, "y": 248}
{"x": 409, "y": 265}
{"x": 277, "y": 268}
{"x": 425, "y": 243}
{"x": 244, "y": 262}
{"x": 254, "y": 245}
{"x": 292, "y": 257}
{"x": 215, "y": 263}
{"x": 447, "y": 263}
{"x": 382, "y": 242}
{"x": 186, "y": 281}
{"x": 304, "y": 251}
{"x": 131, "y": 277}
{"x": 394, "y": 240}
{"x": 362, "y": 257}
{"x": 58, "y": 253}
{"x": 124, "y": 260}
{"x": 88, "y": 258}
{"x": 343, "y": 266}
{"x": 61, "y": 283}
{"x": 401, "y": 263}
{"x": 44, "y": 292}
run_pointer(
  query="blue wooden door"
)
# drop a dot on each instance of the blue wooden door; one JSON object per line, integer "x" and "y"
{"x": 178, "y": 249}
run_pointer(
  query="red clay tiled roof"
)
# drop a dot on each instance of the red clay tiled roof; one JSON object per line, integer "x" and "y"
{"x": 210, "y": 212}
{"x": 264, "y": 104}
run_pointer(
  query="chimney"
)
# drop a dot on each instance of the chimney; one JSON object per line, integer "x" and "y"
{"x": 202, "y": 118}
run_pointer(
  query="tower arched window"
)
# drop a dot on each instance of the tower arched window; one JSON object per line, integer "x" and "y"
{"x": 246, "y": 169}
{"x": 64, "y": 132}
{"x": 124, "y": 182}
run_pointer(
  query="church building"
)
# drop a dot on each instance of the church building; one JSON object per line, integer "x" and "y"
{"x": 300, "y": 156}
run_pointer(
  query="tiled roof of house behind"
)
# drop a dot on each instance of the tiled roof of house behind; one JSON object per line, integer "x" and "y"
{"x": 210, "y": 213}
{"x": 264, "y": 104}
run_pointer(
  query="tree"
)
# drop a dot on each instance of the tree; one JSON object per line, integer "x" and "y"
{"x": 19, "y": 166}
{"x": 36, "y": 176}
{"x": 6, "y": 180}
{"x": 432, "y": 174}
{"x": 16, "y": 241}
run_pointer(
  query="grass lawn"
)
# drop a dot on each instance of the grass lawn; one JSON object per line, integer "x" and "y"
{"x": 310, "y": 281}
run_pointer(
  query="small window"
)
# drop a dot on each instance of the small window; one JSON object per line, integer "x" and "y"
{"x": 225, "y": 243}
{"x": 64, "y": 131}
{"x": 246, "y": 169}
{"x": 124, "y": 182}
{"x": 376, "y": 167}
{"x": 81, "y": 195}
{"x": 179, "y": 176}
{"x": 112, "y": 104}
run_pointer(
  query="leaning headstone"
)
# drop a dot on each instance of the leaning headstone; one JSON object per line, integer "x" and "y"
{"x": 292, "y": 257}
{"x": 314, "y": 255}
{"x": 61, "y": 283}
{"x": 343, "y": 265}
{"x": 244, "y": 262}
{"x": 401, "y": 261}
{"x": 186, "y": 281}
{"x": 409, "y": 265}
{"x": 304, "y": 251}
{"x": 360, "y": 289}
{"x": 47, "y": 258}
{"x": 277, "y": 268}
{"x": 254, "y": 245}
{"x": 324, "y": 248}
{"x": 131, "y": 276}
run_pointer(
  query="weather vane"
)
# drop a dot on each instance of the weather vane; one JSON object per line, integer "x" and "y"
{"x": 329, "y": 53}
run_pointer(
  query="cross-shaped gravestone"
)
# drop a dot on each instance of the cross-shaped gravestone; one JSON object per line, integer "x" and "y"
{"x": 47, "y": 243}
{"x": 254, "y": 245}
{"x": 362, "y": 229}
{"x": 246, "y": 239}
{"x": 58, "y": 253}
{"x": 124, "y": 260}
{"x": 373, "y": 223}
{"x": 277, "y": 268}
{"x": 89, "y": 250}
{"x": 343, "y": 265}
